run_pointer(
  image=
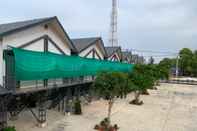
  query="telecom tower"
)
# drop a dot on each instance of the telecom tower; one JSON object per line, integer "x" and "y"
{"x": 113, "y": 40}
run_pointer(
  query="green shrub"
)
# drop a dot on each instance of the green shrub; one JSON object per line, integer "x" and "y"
{"x": 77, "y": 107}
{"x": 9, "y": 129}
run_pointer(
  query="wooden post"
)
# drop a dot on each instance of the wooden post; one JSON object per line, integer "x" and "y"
{"x": 45, "y": 50}
{"x": 68, "y": 107}
{"x": 3, "y": 112}
{"x": 42, "y": 110}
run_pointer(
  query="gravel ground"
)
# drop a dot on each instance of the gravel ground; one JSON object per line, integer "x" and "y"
{"x": 170, "y": 108}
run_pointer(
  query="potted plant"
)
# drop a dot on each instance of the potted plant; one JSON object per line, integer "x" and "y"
{"x": 77, "y": 107}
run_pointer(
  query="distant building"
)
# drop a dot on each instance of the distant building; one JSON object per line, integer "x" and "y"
{"x": 113, "y": 53}
{"x": 127, "y": 57}
{"x": 90, "y": 47}
{"x": 136, "y": 59}
{"x": 141, "y": 60}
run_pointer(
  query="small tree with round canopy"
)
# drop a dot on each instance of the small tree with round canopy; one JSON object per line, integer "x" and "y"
{"x": 110, "y": 86}
{"x": 142, "y": 78}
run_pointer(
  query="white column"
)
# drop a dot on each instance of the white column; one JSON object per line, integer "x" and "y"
{"x": 177, "y": 66}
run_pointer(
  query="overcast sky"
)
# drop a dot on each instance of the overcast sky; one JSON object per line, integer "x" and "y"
{"x": 160, "y": 25}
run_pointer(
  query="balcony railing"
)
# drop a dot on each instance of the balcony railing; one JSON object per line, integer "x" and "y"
{"x": 188, "y": 82}
{"x": 36, "y": 85}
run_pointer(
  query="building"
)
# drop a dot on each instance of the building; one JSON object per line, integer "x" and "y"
{"x": 45, "y": 34}
{"x": 141, "y": 60}
{"x": 90, "y": 47}
{"x": 136, "y": 59}
{"x": 114, "y": 53}
{"x": 46, "y": 55}
{"x": 127, "y": 56}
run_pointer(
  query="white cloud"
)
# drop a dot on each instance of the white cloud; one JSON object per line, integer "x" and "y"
{"x": 166, "y": 25}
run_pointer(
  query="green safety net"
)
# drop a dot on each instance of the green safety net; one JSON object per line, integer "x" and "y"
{"x": 31, "y": 65}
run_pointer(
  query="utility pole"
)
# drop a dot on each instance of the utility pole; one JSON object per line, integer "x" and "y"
{"x": 113, "y": 40}
{"x": 177, "y": 66}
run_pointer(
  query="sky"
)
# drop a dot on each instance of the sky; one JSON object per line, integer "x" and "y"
{"x": 155, "y": 25}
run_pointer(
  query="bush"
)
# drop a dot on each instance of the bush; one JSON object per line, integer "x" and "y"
{"x": 9, "y": 129}
{"x": 77, "y": 107}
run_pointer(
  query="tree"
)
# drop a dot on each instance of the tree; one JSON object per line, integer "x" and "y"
{"x": 151, "y": 60}
{"x": 143, "y": 79}
{"x": 110, "y": 86}
{"x": 187, "y": 63}
{"x": 165, "y": 67}
{"x": 163, "y": 72}
{"x": 167, "y": 63}
{"x": 186, "y": 56}
{"x": 194, "y": 64}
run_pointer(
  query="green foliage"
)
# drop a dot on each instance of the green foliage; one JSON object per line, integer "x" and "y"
{"x": 167, "y": 63}
{"x": 142, "y": 77}
{"x": 164, "y": 67}
{"x": 9, "y": 129}
{"x": 187, "y": 64}
{"x": 194, "y": 64}
{"x": 151, "y": 60}
{"x": 186, "y": 60}
{"x": 163, "y": 72}
{"x": 111, "y": 84}
{"x": 77, "y": 107}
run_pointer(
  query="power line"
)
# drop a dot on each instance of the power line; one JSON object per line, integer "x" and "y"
{"x": 151, "y": 51}
{"x": 159, "y": 56}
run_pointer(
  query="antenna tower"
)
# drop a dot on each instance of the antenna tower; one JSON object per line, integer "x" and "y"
{"x": 113, "y": 40}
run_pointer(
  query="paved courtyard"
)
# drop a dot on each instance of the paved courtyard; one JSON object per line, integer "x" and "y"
{"x": 170, "y": 108}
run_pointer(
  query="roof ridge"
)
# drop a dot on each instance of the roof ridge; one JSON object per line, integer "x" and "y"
{"x": 9, "y": 28}
{"x": 85, "y": 38}
{"x": 112, "y": 46}
{"x": 35, "y": 19}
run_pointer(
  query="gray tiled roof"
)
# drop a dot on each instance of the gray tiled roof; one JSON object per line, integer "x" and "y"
{"x": 11, "y": 27}
{"x": 111, "y": 50}
{"x": 126, "y": 55}
{"x": 83, "y": 43}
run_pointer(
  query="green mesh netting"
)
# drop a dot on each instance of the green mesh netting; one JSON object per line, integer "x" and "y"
{"x": 31, "y": 65}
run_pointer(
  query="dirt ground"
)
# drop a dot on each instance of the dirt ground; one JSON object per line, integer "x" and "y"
{"x": 170, "y": 108}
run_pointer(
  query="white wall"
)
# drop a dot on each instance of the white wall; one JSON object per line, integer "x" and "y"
{"x": 95, "y": 46}
{"x": 53, "y": 49}
{"x": 110, "y": 58}
{"x": 25, "y": 36}
{"x": 59, "y": 41}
